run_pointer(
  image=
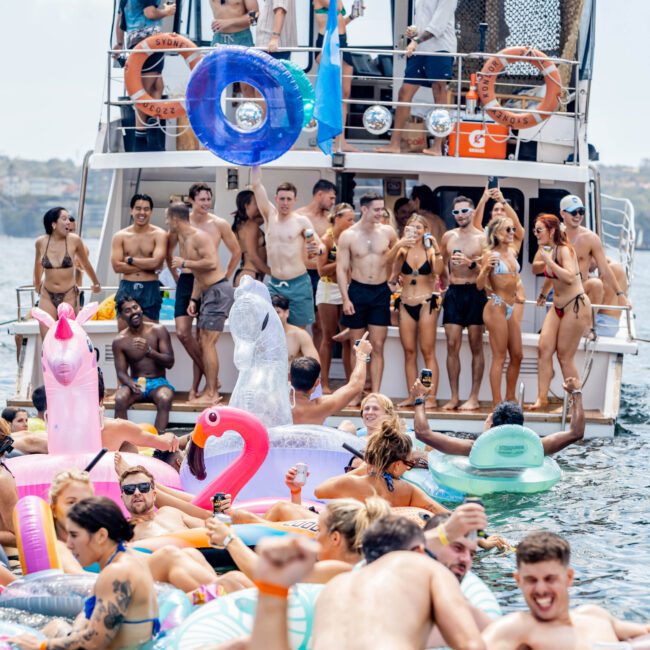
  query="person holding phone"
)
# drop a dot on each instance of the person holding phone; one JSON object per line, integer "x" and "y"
{"x": 462, "y": 249}
{"x": 417, "y": 264}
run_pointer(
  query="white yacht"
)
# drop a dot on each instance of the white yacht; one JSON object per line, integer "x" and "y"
{"x": 536, "y": 166}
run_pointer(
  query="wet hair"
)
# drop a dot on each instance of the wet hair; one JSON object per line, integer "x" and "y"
{"x": 351, "y": 518}
{"x": 179, "y": 210}
{"x": 388, "y": 534}
{"x": 51, "y": 217}
{"x": 425, "y": 195}
{"x": 338, "y": 211}
{"x": 436, "y": 520}
{"x": 141, "y": 197}
{"x": 101, "y": 512}
{"x": 280, "y": 302}
{"x": 239, "y": 216}
{"x": 491, "y": 230}
{"x": 388, "y": 445}
{"x": 9, "y": 413}
{"x": 304, "y": 372}
{"x": 541, "y": 546}
{"x": 197, "y": 188}
{"x": 137, "y": 469}
{"x": 507, "y": 413}
{"x": 39, "y": 399}
{"x": 367, "y": 199}
{"x": 119, "y": 305}
{"x": 553, "y": 225}
{"x": 61, "y": 481}
{"x": 385, "y": 402}
{"x": 400, "y": 203}
{"x": 323, "y": 185}
{"x": 287, "y": 187}
{"x": 462, "y": 199}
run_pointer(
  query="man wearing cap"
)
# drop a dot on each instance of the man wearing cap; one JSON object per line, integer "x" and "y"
{"x": 588, "y": 246}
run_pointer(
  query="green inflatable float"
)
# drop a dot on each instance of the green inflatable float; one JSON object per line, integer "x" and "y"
{"x": 508, "y": 458}
{"x": 306, "y": 90}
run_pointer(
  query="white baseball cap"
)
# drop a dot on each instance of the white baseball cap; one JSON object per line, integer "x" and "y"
{"x": 571, "y": 203}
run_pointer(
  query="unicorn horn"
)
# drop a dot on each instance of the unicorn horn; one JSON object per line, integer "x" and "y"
{"x": 63, "y": 330}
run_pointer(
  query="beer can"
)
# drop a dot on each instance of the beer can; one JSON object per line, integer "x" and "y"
{"x": 301, "y": 474}
{"x": 426, "y": 377}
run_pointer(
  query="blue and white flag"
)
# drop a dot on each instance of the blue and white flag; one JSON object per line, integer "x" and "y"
{"x": 329, "y": 91}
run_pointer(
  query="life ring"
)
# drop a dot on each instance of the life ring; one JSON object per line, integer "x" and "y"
{"x": 133, "y": 73}
{"x": 306, "y": 90}
{"x": 35, "y": 535}
{"x": 487, "y": 80}
{"x": 284, "y": 105}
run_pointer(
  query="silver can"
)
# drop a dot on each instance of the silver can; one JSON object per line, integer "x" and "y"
{"x": 301, "y": 474}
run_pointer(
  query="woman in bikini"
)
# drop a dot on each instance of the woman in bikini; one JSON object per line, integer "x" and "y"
{"x": 328, "y": 296}
{"x": 246, "y": 226}
{"x": 321, "y": 7}
{"x": 504, "y": 309}
{"x": 54, "y": 266}
{"x": 418, "y": 263}
{"x": 570, "y": 317}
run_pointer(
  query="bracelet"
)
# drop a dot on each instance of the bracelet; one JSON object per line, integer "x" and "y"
{"x": 442, "y": 536}
{"x": 227, "y": 539}
{"x": 183, "y": 264}
{"x": 472, "y": 266}
{"x": 269, "y": 589}
{"x": 196, "y": 300}
{"x": 298, "y": 491}
{"x": 418, "y": 401}
{"x": 276, "y": 34}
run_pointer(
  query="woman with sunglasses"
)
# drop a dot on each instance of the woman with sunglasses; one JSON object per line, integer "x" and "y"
{"x": 328, "y": 297}
{"x": 417, "y": 262}
{"x": 123, "y": 609}
{"x": 504, "y": 309}
{"x": 570, "y": 317}
{"x": 387, "y": 457}
{"x": 341, "y": 525}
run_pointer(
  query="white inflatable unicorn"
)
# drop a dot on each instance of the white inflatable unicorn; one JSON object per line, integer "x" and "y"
{"x": 261, "y": 356}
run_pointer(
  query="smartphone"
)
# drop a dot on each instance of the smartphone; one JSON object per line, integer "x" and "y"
{"x": 493, "y": 182}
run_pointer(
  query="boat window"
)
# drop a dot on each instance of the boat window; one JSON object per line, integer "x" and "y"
{"x": 548, "y": 201}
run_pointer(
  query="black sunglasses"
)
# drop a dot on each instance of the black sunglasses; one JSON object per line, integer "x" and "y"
{"x": 130, "y": 488}
{"x": 510, "y": 229}
{"x": 580, "y": 211}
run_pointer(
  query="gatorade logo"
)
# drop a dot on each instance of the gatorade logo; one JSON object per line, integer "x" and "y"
{"x": 477, "y": 141}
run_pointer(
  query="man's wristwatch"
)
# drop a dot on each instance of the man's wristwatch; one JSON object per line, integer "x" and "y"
{"x": 253, "y": 18}
{"x": 419, "y": 401}
{"x": 416, "y": 39}
{"x": 472, "y": 266}
{"x": 129, "y": 260}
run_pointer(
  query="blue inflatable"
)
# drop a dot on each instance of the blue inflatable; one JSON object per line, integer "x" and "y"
{"x": 508, "y": 458}
{"x": 424, "y": 480}
{"x": 284, "y": 105}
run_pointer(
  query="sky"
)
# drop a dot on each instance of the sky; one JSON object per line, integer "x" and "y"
{"x": 53, "y": 66}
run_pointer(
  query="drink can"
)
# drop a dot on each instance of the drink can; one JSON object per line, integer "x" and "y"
{"x": 217, "y": 501}
{"x": 142, "y": 382}
{"x": 357, "y": 9}
{"x": 428, "y": 240}
{"x": 308, "y": 233}
{"x": 547, "y": 249}
{"x": 301, "y": 474}
{"x": 426, "y": 377}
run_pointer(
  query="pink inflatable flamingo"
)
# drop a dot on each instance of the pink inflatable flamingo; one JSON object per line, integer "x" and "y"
{"x": 73, "y": 420}
{"x": 216, "y": 421}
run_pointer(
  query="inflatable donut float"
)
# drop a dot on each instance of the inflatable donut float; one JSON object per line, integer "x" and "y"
{"x": 284, "y": 105}
{"x": 35, "y": 535}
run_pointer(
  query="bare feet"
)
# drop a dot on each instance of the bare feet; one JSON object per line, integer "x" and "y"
{"x": 539, "y": 405}
{"x": 343, "y": 335}
{"x": 194, "y": 394}
{"x": 326, "y": 390}
{"x": 409, "y": 401}
{"x": 432, "y": 152}
{"x": 391, "y": 148}
{"x": 207, "y": 399}
{"x": 431, "y": 403}
{"x": 120, "y": 464}
{"x": 470, "y": 405}
{"x": 452, "y": 404}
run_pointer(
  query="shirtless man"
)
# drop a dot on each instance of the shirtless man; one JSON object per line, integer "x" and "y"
{"x": 212, "y": 293}
{"x": 138, "y": 252}
{"x": 285, "y": 248}
{"x": 544, "y": 577}
{"x": 318, "y": 211}
{"x": 138, "y": 488}
{"x": 299, "y": 343}
{"x": 200, "y": 198}
{"x": 608, "y": 320}
{"x": 304, "y": 374}
{"x": 362, "y": 262}
{"x": 146, "y": 349}
{"x": 232, "y": 22}
{"x": 463, "y": 304}
{"x": 587, "y": 245}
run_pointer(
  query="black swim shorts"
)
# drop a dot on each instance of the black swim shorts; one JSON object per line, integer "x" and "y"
{"x": 371, "y": 305}
{"x": 147, "y": 294}
{"x": 463, "y": 305}
{"x": 183, "y": 294}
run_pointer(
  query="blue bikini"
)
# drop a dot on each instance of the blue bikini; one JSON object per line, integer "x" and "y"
{"x": 503, "y": 269}
{"x": 89, "y": 603}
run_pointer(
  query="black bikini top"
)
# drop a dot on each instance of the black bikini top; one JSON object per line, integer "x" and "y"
{"x": 425, "y": 269}
{"x": 66, "y": 262}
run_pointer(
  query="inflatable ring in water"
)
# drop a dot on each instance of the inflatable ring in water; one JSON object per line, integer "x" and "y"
{"x": 231, "y": 617}
{"x": 423, "y": 479}
{"x": 284, "y": 105}
{"x": 306, "y": 90}
{"x": 508, "y": 458}
{"x": 35, "y": 535}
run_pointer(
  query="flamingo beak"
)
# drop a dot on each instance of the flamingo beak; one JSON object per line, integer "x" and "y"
{"x": 199, "y": 435}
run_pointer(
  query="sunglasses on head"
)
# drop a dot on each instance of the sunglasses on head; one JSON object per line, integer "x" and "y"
{"x": 130, "y": 488}
{"x": 461, "y": 211}
{"x": 580, "y": 211}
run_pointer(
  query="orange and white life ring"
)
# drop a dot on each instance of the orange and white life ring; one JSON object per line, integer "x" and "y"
{"x": 133, "y": 73}
{"x": 487, "y": 80}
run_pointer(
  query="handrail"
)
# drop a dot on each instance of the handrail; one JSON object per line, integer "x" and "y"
{"x": 82, "y": 190}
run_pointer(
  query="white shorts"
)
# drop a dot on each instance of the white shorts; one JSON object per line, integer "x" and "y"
{"x": 328, "y": 293}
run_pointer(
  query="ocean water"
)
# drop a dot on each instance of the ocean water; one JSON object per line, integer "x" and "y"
{"x": 602, "y": 505}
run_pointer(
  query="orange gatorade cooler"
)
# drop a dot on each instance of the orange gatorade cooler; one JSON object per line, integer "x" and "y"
{"x": 476, "y": 143}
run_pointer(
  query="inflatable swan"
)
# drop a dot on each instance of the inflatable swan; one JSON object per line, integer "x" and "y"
{"x": 73, "y": 420}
